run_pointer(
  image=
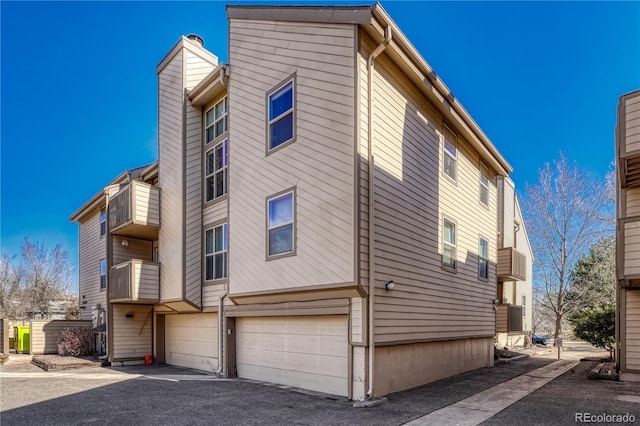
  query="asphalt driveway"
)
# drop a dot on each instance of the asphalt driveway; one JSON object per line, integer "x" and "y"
{"x": 163, "y": 395}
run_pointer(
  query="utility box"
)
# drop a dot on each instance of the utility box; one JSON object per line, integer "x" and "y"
{"x": 21, "y": 339}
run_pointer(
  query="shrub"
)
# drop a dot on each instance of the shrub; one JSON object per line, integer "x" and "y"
{"x": 77, "y": 341}
{"x": 596, "y": 325}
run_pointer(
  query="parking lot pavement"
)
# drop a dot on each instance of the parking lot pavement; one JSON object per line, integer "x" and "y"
{"x": 162, "y": 395}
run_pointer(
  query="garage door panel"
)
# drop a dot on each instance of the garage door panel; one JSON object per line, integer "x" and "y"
{"x": 301, "y": 326}
{"x": 327, "y": 345}
{"x": 306, "y": 352}
{"x": 191, "y": 340}
{"x": 332, "y": 385}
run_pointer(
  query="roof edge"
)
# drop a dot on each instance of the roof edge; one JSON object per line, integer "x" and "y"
{"x": 323, "y": 14}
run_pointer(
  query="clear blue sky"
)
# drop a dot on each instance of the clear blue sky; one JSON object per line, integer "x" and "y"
{"x": 78, "y": 88}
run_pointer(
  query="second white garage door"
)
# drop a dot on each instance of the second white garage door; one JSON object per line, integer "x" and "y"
{"x": 306, "y": 352}
{"x": 191, "y": 340}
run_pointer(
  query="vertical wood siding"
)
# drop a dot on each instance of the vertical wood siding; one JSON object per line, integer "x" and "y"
{"x": 320, "y": 163}
{"x": 633, "y": 202}
{"x": 412, "y": 197}
{"x": 632, "y": 123}
{"x": 171, "y": 177}
{"x": 131, "y": 336}
{"x": 92, "y": 247}
{"x": 632, "y": 310}
{"x": 45, "y": 334}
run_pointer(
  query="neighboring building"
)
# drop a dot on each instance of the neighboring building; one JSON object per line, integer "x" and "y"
{"x": 628, "y": 237}
{"x": 249, "y": 249}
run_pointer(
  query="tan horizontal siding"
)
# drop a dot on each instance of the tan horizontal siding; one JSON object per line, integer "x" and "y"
{"x": 171, "y": 177}
{"x": 632, "y": 327}
{"x": 46, "y": 333}
{"x": 319, "y": 163}
{"x": 631, "y": 248}
{"x": 92, "y": 247}
{"x": 147, "y": 204}
{"x": 412, "y": 197}
{"x": 633, "y": 202}
{"x": 216, "y": 212}
{"x": 135, "y": 249}
{"x": 131, "y": 336}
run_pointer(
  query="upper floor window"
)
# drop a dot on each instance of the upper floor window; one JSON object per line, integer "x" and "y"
{"x": 216, "y": 120}
{"x": 103, "y": 221}
{"x": 217, "y": 171}
{"x": 483, "y": 259}
{"x": 103, "y": 273}
{"x": 484, "y": 186}
{"x": 281, "y": 115}
{"x": 449, "y": 244}
{"x": 450, "y": 156}
{"x": 216, "y": 249}
{"x": 280, "y": 224}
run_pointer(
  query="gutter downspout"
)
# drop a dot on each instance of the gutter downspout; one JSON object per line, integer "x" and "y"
{"x": 221, "y": 333}
{"x": 372, "y": 280}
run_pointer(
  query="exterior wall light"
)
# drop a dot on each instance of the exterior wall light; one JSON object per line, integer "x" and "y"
{"x": 390, "y": 285}
{"x": 125, "y": 242}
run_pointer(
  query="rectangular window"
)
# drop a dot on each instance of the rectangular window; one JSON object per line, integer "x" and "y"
{"x": 281, "y": 115}
{"x": 524, "y": 306}
{"x": 449, "y": 244}
{"x": 216, "y": 171}
{"x": 103, "y": 273}
{"x": 103, "y": 221}
{"x": 484, "y": 186}
{"x": 450, "y": 155}
{"x": 216, "y": 249}
{"x": 483, "y": 258}
{"x": 280, "y": 224}
{"x": 216, "y": 120}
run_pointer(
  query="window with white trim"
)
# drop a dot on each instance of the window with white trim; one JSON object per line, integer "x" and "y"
{"x": 281, "y": 115}
{"x": 450, "y": 156}
{"x": 484, "y": 186}
{"x": 483, "y": 258}
{"x": 216, "y": 120}
{"x": 524, "y": 306}
{"x": 216, "y": 171}
{"x": 280, "y": 224}
{"x": 103, "y": 221}
{"x": 216, "y": 250}
{"x": 449, "y": 244}
{"x": 103, "y": 273}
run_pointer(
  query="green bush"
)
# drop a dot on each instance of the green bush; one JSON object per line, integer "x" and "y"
{"x": 596, "y": 325}
{"x": 77, "y": 341}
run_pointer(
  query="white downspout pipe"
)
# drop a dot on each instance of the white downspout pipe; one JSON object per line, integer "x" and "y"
{"x": 372, "y": 270}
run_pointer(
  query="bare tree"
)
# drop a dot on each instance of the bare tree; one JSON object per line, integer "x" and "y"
{"x": 564, "y": 211}
{"x": 46, "y": 275}
{"x": 11, "y": 291}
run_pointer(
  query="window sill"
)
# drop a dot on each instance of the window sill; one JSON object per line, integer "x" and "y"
{"x": 216, "y": 200}
{"x": 449, "y": 269}
{"x": 208, "y": 283}
{"x": 280, "y": 256}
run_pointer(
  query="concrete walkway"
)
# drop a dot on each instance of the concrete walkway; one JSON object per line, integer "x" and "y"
{"x": 484, "y": 405}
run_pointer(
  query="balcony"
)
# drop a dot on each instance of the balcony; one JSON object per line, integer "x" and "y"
{"x": 134, "y": 211}
{"x": 509, "y": 318}
{"x": 135, "y": 281}
{"x": 512, "y": 265}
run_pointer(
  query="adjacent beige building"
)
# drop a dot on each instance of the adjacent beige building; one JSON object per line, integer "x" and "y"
{"x": 323, "y": 214}
{"x": 628, "y": 237}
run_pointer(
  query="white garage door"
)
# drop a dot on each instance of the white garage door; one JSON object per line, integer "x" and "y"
{"x": 306, "y": 352}
{"x": 191, "y": 340}
{"x": 633, "y": 329}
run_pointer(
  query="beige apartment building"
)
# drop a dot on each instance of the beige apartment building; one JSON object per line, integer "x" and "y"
{"x": 323, "y": 214}
{"x": 628, "y": 237}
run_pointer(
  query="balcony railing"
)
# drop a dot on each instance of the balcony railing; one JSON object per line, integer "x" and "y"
{"x": 509, "y": 318}
{"x": 512, "y": 265}
{"x": 134, "y": 211}
{"x": 135, "y": 281}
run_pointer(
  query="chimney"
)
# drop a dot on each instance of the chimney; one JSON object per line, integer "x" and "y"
{"x": 196, "y": 39}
